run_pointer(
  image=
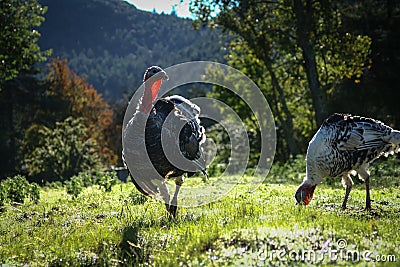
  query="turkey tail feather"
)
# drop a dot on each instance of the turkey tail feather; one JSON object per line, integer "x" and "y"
{"x": 394, "y": 137}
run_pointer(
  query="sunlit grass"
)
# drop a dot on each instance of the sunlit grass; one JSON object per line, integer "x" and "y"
{"x": 243, "y": 228}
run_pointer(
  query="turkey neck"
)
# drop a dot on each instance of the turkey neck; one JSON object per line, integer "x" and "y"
{"x": 147, "y": 102}
{"x": 150, "y": 93}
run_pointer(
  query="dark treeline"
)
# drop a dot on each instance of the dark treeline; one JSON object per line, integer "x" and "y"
{"x": 111, "y": 42}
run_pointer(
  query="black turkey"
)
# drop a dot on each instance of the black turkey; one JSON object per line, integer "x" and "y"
{"x": 343, "y": 145}
{"x": 160, "y": 133}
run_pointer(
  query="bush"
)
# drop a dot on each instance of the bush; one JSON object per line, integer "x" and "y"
{"x": 34, "y": 192}
{"x": 2, "y": 198}
{"x": 86, "y": 179}
{"x": 62, "y": 152}
{"x": 74, "y": 186}
{"x": 54, "y": 185}
{"x": 17, "y": 189}
{"x": 107, "y": 180}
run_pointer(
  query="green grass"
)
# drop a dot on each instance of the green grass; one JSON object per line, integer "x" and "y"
{"x": 264, "y": 227}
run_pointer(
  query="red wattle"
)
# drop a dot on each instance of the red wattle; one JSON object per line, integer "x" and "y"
{"x": 155, "y": 87}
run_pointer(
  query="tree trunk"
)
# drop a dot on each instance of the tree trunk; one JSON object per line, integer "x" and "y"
{"x": 8, "y": 153}
{"x": 287, "y": 122}
{"x": 303, "y": 14}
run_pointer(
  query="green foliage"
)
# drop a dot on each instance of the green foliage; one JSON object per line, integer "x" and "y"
{"x": 19, "y": 20}
{"x": 74, "y": 186}
{"x": 295, "y": 52}
{"x": 53, "y": 185}
{"x": 291, "y": 171}
{"x": 377, "y": 92}
{"x": 17, "y": 189}
{"x": 296, "y": 99}
{"x": 34, "y": 192}
{"x": 221, "y": 147}
{"x": 62, "y": 152}
{"x": 384, "y": 172}
{"x": 77, "y": 183}
{"x": 216, "y": 168}
{"x": 107, "y": 180}
{"x": 3, "y": 197}
{"x": 86, "y": 178}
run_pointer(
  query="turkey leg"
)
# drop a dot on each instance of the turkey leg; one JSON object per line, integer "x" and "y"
{"x": 367, "y": 197}
{"x": 348, "y": 184}
{"x": 365, "y": 175}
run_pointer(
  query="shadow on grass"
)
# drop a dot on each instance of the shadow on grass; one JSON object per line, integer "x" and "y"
{"x": 136, "y": 247}
{"x": 380, "y": 209}
{"x": 131, "y": 252}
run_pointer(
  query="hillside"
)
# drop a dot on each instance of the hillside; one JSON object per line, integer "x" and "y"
{"x": 111, "y": 42}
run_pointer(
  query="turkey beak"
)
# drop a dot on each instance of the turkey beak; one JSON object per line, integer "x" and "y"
{"x": 200, "y": 163}
{"x": 164, "y": 76}
{"x": 304, "y": 194}
{"x": 299, "y": 197}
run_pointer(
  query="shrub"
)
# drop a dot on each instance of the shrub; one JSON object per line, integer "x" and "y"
{"x": 2, "y": 197}
{"x": 86, "y": 179}
{"x": 17, "y": 189}
{"x": 107, "y": 180}
{"x": 54, "y": 185}
{"x": 74, "y": 186}
{"x": 62, "y": 152}
{"x": 34, "y": 192}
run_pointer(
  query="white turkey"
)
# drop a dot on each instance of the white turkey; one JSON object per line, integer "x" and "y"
{"x": 346, "y": 144}
{"x": 157, "y": 126}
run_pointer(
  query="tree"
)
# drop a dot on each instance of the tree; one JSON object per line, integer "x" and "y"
{"x": 22, "y": 102}
{"x": 299, "y": 46}
{"x": 291, "y": 99}
{"x": 19, "y": 50}
{"x": 376, "y": 92}
{"x": 306, "y": 30}
{"x": 61, "y": 152}
{"x": 296, "y": 99}
{"x": 251, "y": 23}
{"x": 82, "y": 101}
{"x": 305, "y": 27}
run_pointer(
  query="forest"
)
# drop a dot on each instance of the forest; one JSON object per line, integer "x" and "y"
{"x": 75, "y": 64}
{"x": 111, "y": 43}
{"x": 86, "y": 60}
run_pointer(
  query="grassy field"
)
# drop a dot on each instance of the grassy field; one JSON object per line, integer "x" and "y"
{"x": 263, "y": 228}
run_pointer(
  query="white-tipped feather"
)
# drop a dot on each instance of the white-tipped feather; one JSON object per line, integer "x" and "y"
{"x": 353, "y": 173}
{"x": 394, "y": 138}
